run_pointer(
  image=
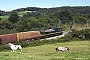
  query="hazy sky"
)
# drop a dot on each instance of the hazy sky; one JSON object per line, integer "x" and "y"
{"x": 8, "y": 5}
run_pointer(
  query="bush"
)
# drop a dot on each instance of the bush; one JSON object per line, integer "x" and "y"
{"x": 4, "y": 47}
{"x": 78, "y": 35}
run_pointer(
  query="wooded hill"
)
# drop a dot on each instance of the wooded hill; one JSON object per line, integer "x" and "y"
{"x": 35, "y": 18}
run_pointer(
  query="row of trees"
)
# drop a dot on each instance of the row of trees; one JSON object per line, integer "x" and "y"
{"x": 74, "y": 10}
{"x": 2, "y": 13}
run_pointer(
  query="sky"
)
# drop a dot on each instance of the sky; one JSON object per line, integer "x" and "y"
{"x": 9, "y": 5}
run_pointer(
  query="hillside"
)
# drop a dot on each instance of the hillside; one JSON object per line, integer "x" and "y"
{"x": 45, "y": 18}
{"x": 73, "y": 10}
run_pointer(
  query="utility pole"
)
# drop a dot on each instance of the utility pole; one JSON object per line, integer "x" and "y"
{"x": 87, "y": 23}
{"x": 73, "y": 22}
{"x": 59, "y": 23}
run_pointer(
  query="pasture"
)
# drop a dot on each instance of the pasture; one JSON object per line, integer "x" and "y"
{"x": 6, "y": 16}
{"x": 79, "y": 50}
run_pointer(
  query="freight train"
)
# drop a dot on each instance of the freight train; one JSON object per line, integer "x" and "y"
{"x": 24, "y": 36}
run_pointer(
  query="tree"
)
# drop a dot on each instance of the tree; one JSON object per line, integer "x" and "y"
{"x": 5, "y": 24}
{"x": 13, "y": 17}
{"x": 79, "y": 18}
{"x": 64, "y": 15}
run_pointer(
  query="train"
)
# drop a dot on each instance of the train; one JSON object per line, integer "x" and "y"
{"x": 29, "y": 35}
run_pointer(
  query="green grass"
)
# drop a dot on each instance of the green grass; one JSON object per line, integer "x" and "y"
{"x": 20, "y": 14}
{"x": 23, "y": 12}
{"x": 6, "y": 16}
{"x": 79, "y": 50}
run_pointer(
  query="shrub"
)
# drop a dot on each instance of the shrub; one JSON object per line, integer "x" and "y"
{"x": 4, "y": 47}
{"x": 78, "y": 35}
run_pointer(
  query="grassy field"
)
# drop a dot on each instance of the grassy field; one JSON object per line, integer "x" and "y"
{"x": 79, "y": 50}
{"x": 6, "y": 16}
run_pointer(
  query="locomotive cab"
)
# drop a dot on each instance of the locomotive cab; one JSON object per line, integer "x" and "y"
{"x": 51, "y": 31}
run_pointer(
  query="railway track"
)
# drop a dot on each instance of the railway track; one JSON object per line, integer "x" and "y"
{"x": 55, "y": 37}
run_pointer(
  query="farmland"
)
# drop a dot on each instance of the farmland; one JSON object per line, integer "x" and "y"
{"x": 6, "y": 16}
{"x": 20, "y": 14}
{"x": 79, "y": 50}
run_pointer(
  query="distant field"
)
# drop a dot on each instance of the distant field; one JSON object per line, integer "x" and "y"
{"x": 79, "y": 50}
{"x": 24, "y": 12}
{"x": 6, "y": 16}
{"x": 19, "y": 14}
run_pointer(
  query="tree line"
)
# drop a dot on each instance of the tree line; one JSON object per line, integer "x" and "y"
{"x": 42, "y": 18}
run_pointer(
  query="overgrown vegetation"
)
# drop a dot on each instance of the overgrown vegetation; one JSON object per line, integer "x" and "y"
{"x": 78, "y": 35}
